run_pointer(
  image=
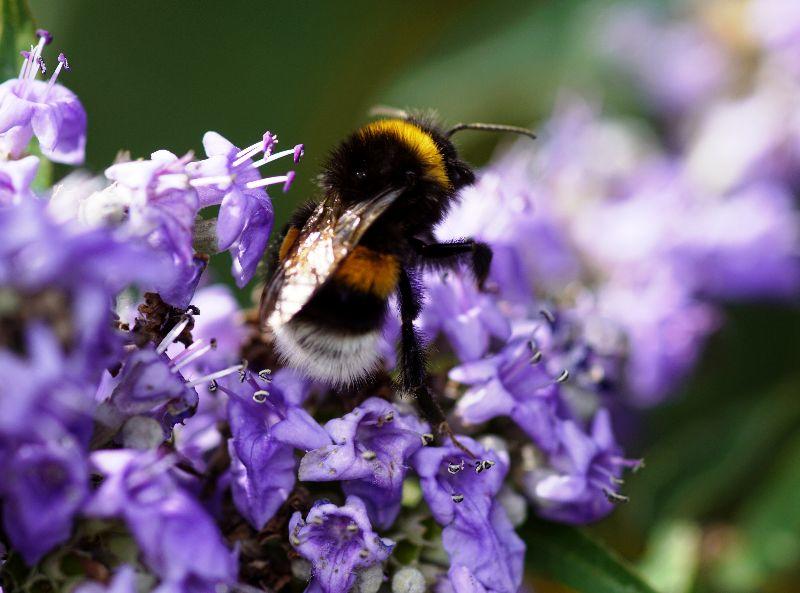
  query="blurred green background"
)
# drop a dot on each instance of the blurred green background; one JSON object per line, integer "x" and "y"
{"x": 718, "y": 507}
{"x": 159, "y": 74}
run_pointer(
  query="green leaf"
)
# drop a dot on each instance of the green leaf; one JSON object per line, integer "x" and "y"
{"x": 673, "y": 556}
{"x": 769, "y": 524}
{"x": 44, "y": 176}
{"x": 16, "y": 34}
{"x": 710, "y": 459}
{"x": 568, "y": 556}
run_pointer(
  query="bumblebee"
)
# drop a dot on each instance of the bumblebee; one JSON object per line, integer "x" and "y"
{"x": 385, "y": 187}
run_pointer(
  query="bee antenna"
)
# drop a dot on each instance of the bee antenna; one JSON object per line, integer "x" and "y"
{"x": 491, "y": 128}
{"x": 388, "y": 111}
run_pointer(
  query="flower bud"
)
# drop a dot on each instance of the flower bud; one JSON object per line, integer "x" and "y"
{"x": 301, "y": 569}
{"x": 370, "y": 579}
{"x": 142, "y": 432}
{"x": 515, "y": 505}
{"x": 408, "y": 580}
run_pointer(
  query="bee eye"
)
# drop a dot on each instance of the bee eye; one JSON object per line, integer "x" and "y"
{"x": 411, "y": 177}
{"x": 360, "y": 174}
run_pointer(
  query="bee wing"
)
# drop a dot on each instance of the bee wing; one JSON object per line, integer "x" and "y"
{"x": 330, "y": 233}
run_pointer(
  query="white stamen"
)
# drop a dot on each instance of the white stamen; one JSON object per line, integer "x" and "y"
{"x": 23, "y": 71}
{"x": 269, "y": 159}
{"x": 33, "y": 67}
{"x": 223, "y": 180}
{"x": 217, "y": 375}
{"x": 53, "y": 78}
{"x": 172, "y": 335}
{"x": 255, "y": 145}
{"x": 187, "y": 351}
{"x": 247, "y": 154}
{"x": 167, "y": 179}
{"x": 191, "y": 357}
{"x": 36, "y": 53}
{"x": 614, "y": 497}
{"x": 267, "y": 181}
{"x": 27, "y": 65}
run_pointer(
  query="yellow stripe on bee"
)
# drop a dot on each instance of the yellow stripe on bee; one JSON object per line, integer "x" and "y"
{"x": 369, "y": 271}
{"x": 288, "y": 241}
{"x": 418, "y": 141}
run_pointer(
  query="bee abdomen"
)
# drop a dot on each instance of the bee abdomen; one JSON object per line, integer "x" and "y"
{"x": 368, "y": 271}
{"x": 336, "y": 337}
{"x": 327, "y": 355}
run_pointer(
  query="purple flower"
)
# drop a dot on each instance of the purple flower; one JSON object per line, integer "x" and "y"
{"x": 220, "y": 321}
{"x": 151, "y": 383}
{"x": 744, "y": 246}
{"x": 581, "y": 479}
{"x": 44, "y": 484}
{"x": 493, "y": 552}
{"x": 470, "y": 319}
{"x": 124, "y": 581}
{"x": 229, "y": 177}
{"x": 162, "y": 208}
{"x": 266, "y": 425}
{"x": 199, "y": 439}
{"x": 664, "y": 328}
{"x": 35, "y": 251}
{"x": 679, "y": 66}
{"x": 777, "y": 23}
{"x": 338, "y": 541}
{"x": 529, "y": 247}
{"x": 15, "y": 180}
{"x": 513, "y": 383}
{"x": 218, "y": 335}
{"x": 449, "y": 478}
{"x": 179, "y": 540}
{"x": 460, "y": 580}
{"x": 61, "y": 332}
{"x": 53, "y": 393}
{"x": 59, "y": 342}
{"x": 460, "y": 492}
{"x": 367, "y": 449}
{"x": 263, "y": 485}
{"x": 47, "y": 110}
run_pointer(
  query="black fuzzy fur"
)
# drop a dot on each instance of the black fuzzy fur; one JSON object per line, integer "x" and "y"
{"x": 358, "y": 169}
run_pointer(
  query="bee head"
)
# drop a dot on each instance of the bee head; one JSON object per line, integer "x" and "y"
{"x": 397, "y": 154}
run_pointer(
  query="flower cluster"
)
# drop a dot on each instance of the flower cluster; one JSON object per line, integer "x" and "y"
{"x": 146, "y": 429}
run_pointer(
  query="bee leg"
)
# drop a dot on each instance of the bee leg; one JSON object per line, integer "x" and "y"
{"x": 413, "y": 362}
{"x": 452, "y": 253}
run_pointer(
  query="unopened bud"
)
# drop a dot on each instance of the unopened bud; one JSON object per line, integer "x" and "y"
{"x": 142, "y": 432}
{"x": 515, "y": 505}
{"x": 370, "y": 579}
{"x": 408, "y": 580}
{"x": 301, "y": 569}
